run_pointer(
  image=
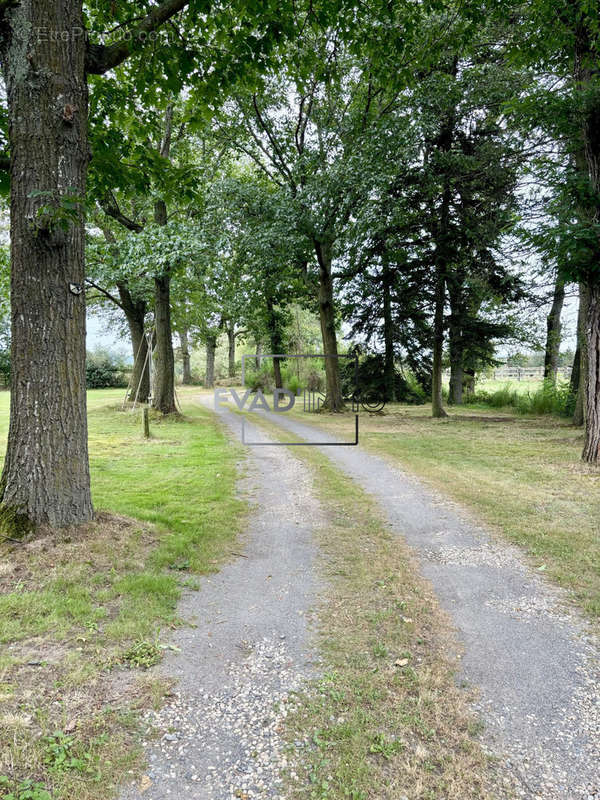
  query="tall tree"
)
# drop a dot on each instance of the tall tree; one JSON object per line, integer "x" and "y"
{"x": 46, "y": 473}
{"x": 304, "y": 131}
{"x": 564, "y": 43}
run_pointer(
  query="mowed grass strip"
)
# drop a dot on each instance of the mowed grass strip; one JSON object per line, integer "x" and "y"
{"x": 522, "y": 476}
{"x": 386, "y": 720}
{"x": 83, "y": 611}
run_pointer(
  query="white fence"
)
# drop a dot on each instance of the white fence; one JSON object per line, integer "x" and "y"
{"x": 527, "y": 373}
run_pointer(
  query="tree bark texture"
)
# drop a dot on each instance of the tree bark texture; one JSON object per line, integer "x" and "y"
{"x": 587, "y": 76}
{"x": 163, "y": 362}
{"x": 442, "y": 262}
{"x": 580, "y": 365}
{"x": 46, "y": 475}
{"x": 231, "y": 350}
{"x": 163, "y": 390}
{"x": 135, "y": 313}
{"x": 456, "y": 343}
{"x": 437, "y": 406}
{"x": 185, "y": 357}
{"x": 334, "y": 400}
{"x": 209, "y": 376}
{"x": 258, "y": 354}
{"x": 591, "y": 448}
{"x": 553, "y": 334}
{"x": 275, "y": 340}
{"x": 388, "y": 335}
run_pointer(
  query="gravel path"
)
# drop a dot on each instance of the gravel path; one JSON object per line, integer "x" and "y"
{"x": 251, "y": 647}
{"x": 526, "y": 649}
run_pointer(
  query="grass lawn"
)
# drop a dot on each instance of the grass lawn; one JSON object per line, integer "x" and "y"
{"x": 81, "y": 609}
{"x": 521, "y": 475}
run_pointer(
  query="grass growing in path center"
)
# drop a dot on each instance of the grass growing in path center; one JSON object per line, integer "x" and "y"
{"x": 386, "y": 720}
{"x": 82, "y": 609}
{"x": 522, "y": 475}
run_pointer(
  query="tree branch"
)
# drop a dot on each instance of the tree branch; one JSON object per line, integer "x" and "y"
{"x": 105, "y": 293}
{"x": 278, "y": 151}
{"x": 101, "y": 58}
{"x": 111, "y": 209}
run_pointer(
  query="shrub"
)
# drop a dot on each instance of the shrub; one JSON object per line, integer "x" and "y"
{"x": 548, "y": 399}
{"x": 293, "y": 384}
{"x": 262, "y": 380}
{"x": 103, "y": 370}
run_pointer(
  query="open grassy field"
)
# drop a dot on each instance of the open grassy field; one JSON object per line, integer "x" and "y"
{"x": 493, "y": 385}
{"x": 81, "y": 610}
{"x": 521, "y": 475}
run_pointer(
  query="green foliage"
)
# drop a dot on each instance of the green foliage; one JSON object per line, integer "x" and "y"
{"x": 385, "y": 747}
{"x": 22, "y": 790}
{"x": 548, "y": 399}
{"x": 104, "y": 370}
{"x": 263, "y": 380}
{"x": 62, "y": 754}
{"x": 369, "y": 380}
{"x": 142, "y": 654}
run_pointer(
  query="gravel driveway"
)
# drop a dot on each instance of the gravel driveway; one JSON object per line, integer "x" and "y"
{"x": 526, "y": 649}
{"x": 250, "y": 648}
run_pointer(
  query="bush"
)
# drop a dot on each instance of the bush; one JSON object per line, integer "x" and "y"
{"x": 548, "y": 399}
{"x": 262, "y": 380}
{"x": 293, "y": 384}
{"x": 371, "y": 380}
{"x": 103, "y": 370}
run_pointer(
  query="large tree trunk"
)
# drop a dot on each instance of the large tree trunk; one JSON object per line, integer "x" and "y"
{"x": 46, "y": 475}
{"x": 469, "y": 383}
{"x": 579, "y": 374}
{"x": 587, "y": 75}
{"x": 591, "y": 448}
{"x": 437, "y": 406}
{"x": 163, "y": 362}
{"x": 185, "y": 357}
{"x": 442, "y": 261}
{"x": 275, "y": 339}
{"x": 553, "y": 335}
{"x": 388, "y": 335}
{"x": 258, "y": 354}
{"x": 334, "y": 400}
{"x": 231, "y": 350}
{"x": 456, "y": 345}
{"x": 163, "y": 391}
{"x": 135, "y": 313}
{"x": 209, "y": 375}
{"x": 457, "y": 374}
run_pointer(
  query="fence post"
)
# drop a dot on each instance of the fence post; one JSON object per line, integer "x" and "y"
{"x": 146, "y": 421}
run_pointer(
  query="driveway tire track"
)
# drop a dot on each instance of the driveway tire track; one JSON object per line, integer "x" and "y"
{"x": 527, "y": 650}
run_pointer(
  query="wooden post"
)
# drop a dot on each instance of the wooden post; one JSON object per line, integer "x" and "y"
{"x": 146, "y": 421}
